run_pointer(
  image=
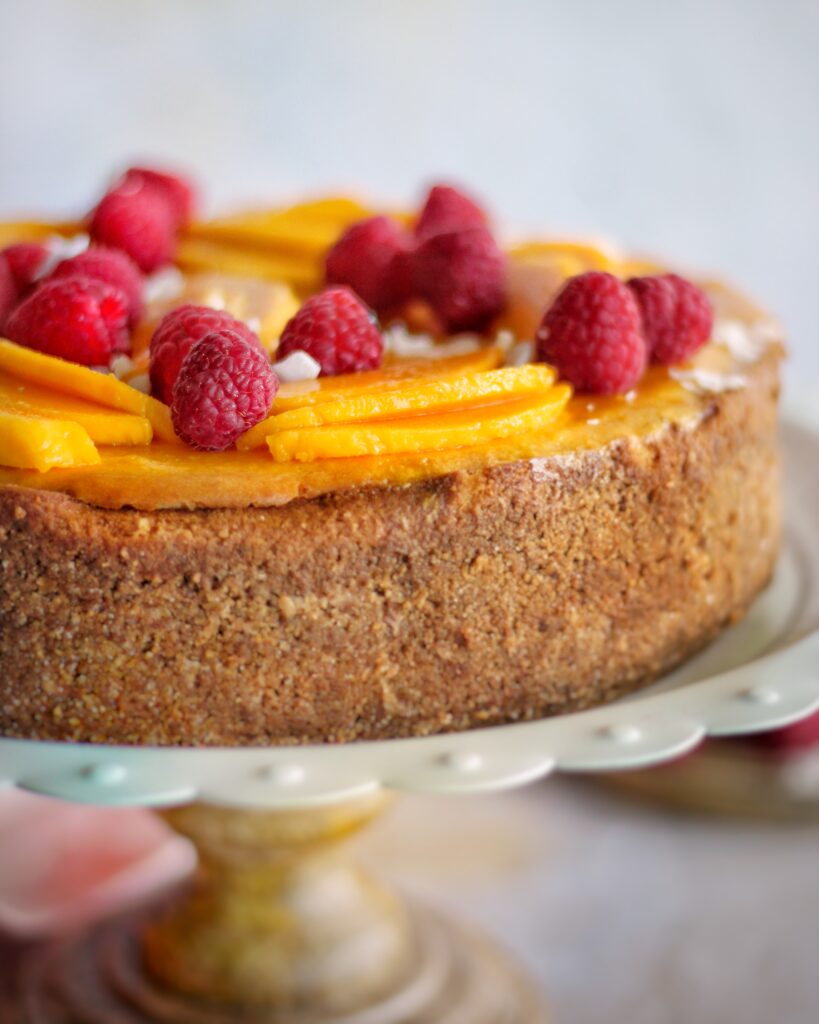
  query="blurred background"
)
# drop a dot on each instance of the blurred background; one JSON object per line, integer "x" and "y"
{"x": 688, "y": 129}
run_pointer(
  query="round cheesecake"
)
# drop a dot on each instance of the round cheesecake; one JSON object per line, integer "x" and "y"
{"x": 397, "y": 596}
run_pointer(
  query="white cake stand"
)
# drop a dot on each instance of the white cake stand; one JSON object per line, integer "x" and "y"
{"x": 278, "y": 928}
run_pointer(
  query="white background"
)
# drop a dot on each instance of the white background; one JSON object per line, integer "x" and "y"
{"x": 686, "y": 128}
{"x": 690, "y": 129}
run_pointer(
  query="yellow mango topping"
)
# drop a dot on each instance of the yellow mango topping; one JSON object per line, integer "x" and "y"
{"x": 198, "y": 254}
{"x": 35, "y": 230}
{"x": 104, "y": 426}
{"x": 42, "y": 444}
{"x": 390, "y": 376}
{"x": 436, "y": 432}
{"x": 308, "y": 228}
{"x": 81, "y": 382}
{"x": 414, "y": 398}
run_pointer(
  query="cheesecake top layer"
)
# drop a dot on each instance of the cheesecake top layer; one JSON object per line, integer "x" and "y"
{"x": 258, "y": 266}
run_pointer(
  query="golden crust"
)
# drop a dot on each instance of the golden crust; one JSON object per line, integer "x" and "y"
{"x": 511, "y": 592}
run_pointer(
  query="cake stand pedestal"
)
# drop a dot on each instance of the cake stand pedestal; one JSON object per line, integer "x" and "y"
{"x": 279, "y": 927}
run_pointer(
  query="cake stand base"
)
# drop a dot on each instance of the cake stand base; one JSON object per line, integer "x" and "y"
{"x": 277, "y": 927}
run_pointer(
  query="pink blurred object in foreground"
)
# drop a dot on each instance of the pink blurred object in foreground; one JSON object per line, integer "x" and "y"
{"x": 62, "y": 864}
{"x": 798, "y": 736}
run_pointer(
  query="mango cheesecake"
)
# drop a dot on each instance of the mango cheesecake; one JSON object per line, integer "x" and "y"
{"x": 325, "y": 473}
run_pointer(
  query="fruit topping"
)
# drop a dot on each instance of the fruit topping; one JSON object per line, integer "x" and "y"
{"x": 415, "y": 398}
{"x": 371, "y": 258}
{"x": 8, "y": 291}
{"x": 592, "y": 334}
{"x": 176, "y": 333}
{"x": 448, "y": 209}
{"x": 677, "y": 316}
{"x": 42, "y": 443}
{"x": 798, "y": 736}
{"x": 454, "y": 429}
{"x": 462, "y": 274}
{"x": 137, "y": 218}
{"x": 114, "y": 267}
{"x": 26, "y": 261}
{"x": 337, "y": 330}
{"x": 70, "y": 379}
{"x": 224, "y": 387}
{"x": 388, "y": 378}
{"x": 78, "y": 319}
{"x": 177, "y": 190}
{"x": 104, "y": 426}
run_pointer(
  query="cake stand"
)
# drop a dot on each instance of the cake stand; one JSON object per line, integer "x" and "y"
{"x": 279, "y": 927}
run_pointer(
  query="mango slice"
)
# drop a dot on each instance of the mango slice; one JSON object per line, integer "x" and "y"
{"x": 197, "y": 254}
{"x": 35, "y": 230}
{"x": 422, "y": 433}
{"x": 104, "y": 426}
{"x": 308, "y": 228}
{"x": 390, "y": 376}
{"x": 42, "y": 444}
{"x": 416, "y": 398}
{"x": 81, "y": 382}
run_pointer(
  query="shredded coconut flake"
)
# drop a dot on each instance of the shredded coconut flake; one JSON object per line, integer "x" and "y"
{"x": 164, "y": 285}
{"x": 520, "y": 354}
{"x": 746, "y": 342}
{"x": 708, "y": 382}
{"x": 120, "y": 365}
{"x": 399, "y": 342}
{"x": 297, "y": 366}
{"x": 60, "y": 249}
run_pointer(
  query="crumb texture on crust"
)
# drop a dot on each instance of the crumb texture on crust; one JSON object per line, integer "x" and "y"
{"x": 505, "y": 593}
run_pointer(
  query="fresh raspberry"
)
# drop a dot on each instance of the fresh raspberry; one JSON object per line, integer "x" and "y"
{"x": 798, "y": 736}
{"x": 8, "y": 290}
{"x": 25, "y": 260}
{"x": 592, "y": 334}
{"x": 370, "y": 257}
{"x": 225, "y": 386}
{"x": 447, "y": 209}
{"x": 137, "y": 218}
{"x": 677, "y": 316}
{"x": 176, "y": 333}
{"x": 77, "y": 318}
{"x": 462, "y": 275}
{"x": 110, "y": 265}
{"x": 337, "y": 330}
{"x": 179, "y": 192}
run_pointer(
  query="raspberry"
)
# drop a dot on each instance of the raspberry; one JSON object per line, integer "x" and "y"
{"x": 176, "y": 333}
{"x": 225, "y": 386}
{"x": 110, "y": 265}
{"x": 446, "y": 209}
{"x": 462, "y": 274}
{"x": 337, "y": 330}
{"x": 138, "y": 219}
{"x": 677, "y": 316}
{"x": 592, "y": 334}
{"x": 8, "y": 290}
{"x": 78, "y": 319}
{"x": 178, "y": 191}
{"x": 797, "y": 736}
{"x": 25, "y": 260}
{"x": 370, "y": 258}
